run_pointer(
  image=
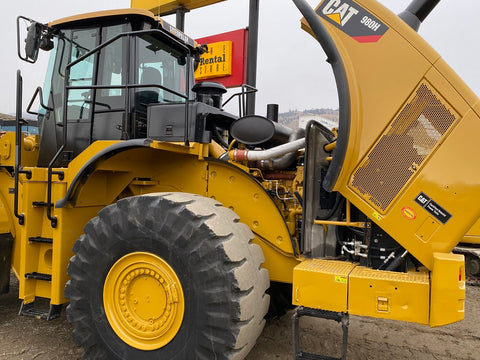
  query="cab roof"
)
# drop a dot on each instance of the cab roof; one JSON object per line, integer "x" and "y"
{"x": 103, "y": 14}
{"x": 130, "y": 12}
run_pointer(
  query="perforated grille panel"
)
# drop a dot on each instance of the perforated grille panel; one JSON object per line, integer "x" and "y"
{"x": 402, "y": 149}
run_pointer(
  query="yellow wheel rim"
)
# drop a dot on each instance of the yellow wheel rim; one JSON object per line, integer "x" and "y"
{"x": 143, "y": 301}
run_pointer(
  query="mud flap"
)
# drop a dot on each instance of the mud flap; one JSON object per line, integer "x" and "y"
{"x": 6, "y": 244}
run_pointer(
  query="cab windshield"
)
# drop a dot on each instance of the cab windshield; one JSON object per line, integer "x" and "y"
{"x": 99, "y": 83}
{"x": 161, "y": 64}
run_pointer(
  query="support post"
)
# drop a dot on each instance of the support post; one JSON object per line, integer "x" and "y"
{"x": 180, "y": 18}
{"x": 252, "y": 53}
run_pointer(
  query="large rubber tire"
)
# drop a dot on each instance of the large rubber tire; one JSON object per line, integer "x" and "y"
{"x": 472, "y": 265}
{"x": 210, "y": 251}
{"x": 280, "y": 300}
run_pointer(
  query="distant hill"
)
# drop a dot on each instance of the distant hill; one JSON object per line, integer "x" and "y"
{"x": 6, "y": 117}
{"x": 291, "y": 118}
{"x": 25, "y": 115}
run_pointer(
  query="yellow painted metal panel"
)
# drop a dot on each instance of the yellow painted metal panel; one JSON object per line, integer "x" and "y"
{"x": 165, "y": 7}
{"x": 244, "y": 195}
{"x": 471, "y": 239}
{"x": 404, "y": 65}
{"x": 463, "y": 90}
{"x": 452, "y": 191}
{"x": 473, "y": 235}
{"x": 6, "y": 214}
{"x": 29, "y": 149}
{"x": 377, "y": 95}
{"x": 240, "y": 192}
{"x": 476, "y": 107}
{"x": 280, "y": 265}
{"x": 448, "y": 289}
{"x": 322, "y": 284}
{"x": 31, "y": 254}
{"x": 389, "y": 295}
{"x": 427, "y": 229}
{"x": 70, "y": 227}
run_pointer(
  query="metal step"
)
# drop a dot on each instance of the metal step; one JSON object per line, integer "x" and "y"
{"x": 40, "y": 204}
{"x": 307, "y": 356}
{"x": 339, "y": 317}
{"x": 39, "y": 239}
{"x": 318, "y": 313}
{"x": 29, "y": 310}
{"x": 38, "y": 276}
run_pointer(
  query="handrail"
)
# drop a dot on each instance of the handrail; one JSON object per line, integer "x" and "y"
{"x": 18, "y": 149}
{"x": 38, "y": 90}
{"x": 242, "y": 107}
{"x": 18, "y": 134}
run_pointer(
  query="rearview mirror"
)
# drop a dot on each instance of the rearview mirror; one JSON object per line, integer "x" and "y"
{"x": 36, "y": 38}
{"x": 32, "y": 42}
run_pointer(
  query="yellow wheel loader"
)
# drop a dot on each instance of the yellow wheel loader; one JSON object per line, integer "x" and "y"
{"x": 169, "y": 225}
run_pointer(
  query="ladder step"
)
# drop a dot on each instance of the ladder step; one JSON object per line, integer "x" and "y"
{"x": 40, "y": 204}
{"x": 307, "y": 356}
{"x": 29, "y": 310}
{"x": 38, "y": 276}
{"x": 339, "y": 317}
{"x": 40, "y": 239}
{"x": 318, "y": 313}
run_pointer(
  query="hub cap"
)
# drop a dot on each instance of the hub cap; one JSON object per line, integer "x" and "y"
{"x": 143, "y": 301}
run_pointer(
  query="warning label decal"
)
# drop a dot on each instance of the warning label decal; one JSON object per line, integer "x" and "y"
{"x": 433, "y": 208}
{"x": 353, "y": 20}
{"x": 409, "y": 213}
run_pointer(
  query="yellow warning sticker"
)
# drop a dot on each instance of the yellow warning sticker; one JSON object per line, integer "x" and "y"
{"x": 340, "y": 279}
{"x": 377, "y": 216}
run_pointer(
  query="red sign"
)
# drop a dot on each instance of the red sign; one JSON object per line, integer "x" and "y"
{"x": 239, "y": 56}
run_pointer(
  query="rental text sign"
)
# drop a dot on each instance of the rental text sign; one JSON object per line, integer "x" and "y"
{"x": 225, "y": 61}
{"x": 217, "y": 62}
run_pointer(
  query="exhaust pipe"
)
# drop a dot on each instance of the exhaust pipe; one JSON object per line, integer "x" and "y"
{"x": 286, "y": 160}
{"x": 417, "y": 11}
{"x": 264, "y": 132}
{"x": 253, "y": 155}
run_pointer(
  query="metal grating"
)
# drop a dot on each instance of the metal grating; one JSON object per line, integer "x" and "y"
{"x": 402, "y": 149}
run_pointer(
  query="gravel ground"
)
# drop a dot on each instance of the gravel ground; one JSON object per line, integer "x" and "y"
{"x": 23, "y": 338}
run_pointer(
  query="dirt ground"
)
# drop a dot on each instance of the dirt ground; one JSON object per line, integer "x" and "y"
{"x": 23, "y": 338}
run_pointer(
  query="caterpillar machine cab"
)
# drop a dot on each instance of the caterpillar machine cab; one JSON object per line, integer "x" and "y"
{"x": 169, "y": 225}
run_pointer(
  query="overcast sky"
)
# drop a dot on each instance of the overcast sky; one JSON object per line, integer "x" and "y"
{"x": 291, "y": 70}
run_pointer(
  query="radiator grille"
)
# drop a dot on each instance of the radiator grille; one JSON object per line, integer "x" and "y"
{"x": 402, "y": 149}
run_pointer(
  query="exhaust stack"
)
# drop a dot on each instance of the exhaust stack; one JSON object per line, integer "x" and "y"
{"x": 417, "y": 11}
